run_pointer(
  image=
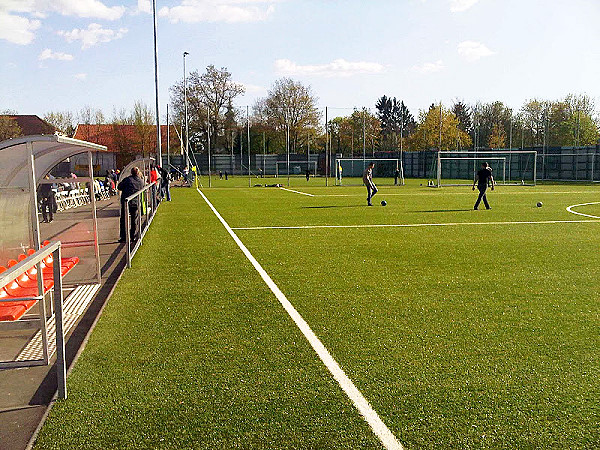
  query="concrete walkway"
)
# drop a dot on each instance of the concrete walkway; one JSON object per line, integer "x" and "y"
{"x": 26, "y": 393}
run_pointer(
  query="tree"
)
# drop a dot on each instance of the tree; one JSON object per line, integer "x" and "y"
{"x": 62, "y": 120}
{"x": 290, "y": 105}
{"x": 209, "y": 94}
{"x": 463, "y": 114}
{"x": 396, "y": 122}
{"x": 427, "y": 134}
{"x": 9, "y": 128}
{"x": 144, "y": 126}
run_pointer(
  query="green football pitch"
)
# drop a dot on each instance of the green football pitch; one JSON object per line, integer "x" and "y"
{"x": 460, "y": 328}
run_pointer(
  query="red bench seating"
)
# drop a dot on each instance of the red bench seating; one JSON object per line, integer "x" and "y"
{"x": 25, "y": 285}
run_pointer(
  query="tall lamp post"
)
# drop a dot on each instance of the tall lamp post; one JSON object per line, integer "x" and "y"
{"x": 187, "y": 134}
{"x": 158, "y": 145}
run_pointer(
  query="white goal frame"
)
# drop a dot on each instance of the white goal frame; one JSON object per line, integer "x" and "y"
{"x": 487, "y": 155}
{"x": 284, "y": 172}
{"x": 340, "y": 176}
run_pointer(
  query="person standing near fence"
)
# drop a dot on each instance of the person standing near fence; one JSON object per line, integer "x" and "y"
{"x": 129, "y": 186}
{"x": 165, "y": 179}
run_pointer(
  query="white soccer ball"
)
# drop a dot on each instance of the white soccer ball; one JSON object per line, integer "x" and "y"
{"x": 539, "y": 204}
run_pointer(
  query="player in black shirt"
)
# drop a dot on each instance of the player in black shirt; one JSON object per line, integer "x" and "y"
{"x": 481, "y": 179}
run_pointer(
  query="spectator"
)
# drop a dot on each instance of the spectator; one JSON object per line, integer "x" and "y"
{"x": 47, "y": 193}
{"x": 129, "y": 186}
{"x": 165, "y": 179}
{"x": 153, "y": 179}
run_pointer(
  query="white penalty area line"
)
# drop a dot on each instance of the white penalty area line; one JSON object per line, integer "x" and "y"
{"x": 417, "y": 225}
{"x": 296, "y": 192}
{"x": 380, "y": 429}
{"x": 570, "y": 209}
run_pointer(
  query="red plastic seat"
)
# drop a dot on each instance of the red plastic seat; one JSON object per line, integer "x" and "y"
{"x": 11, "y": 312}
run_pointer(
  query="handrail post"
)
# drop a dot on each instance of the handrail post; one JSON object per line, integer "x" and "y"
{"x": 127, "y": 234}
{"x": 61, "y": 364}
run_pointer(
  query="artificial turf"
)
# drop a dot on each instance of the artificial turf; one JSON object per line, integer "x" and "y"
{"x": 478, "y": 334}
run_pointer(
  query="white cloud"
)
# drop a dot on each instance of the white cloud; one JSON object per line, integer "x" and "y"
{"x": 230, "y": 11}
{"x": 49, "y": 54}
{"x": 461, "y": 5}
{"x": 16, "y": 29}
{"x": 80, "y": 76}
{"x": 144, "y": 6}
{"x": 471, "y": 51}
{"x": 430, "y": 67}
{"x": 92, "y": 35}
{"x": 95, "y": 9}
{"x": 336, "y": 68}
{"x": 254, "y": 89}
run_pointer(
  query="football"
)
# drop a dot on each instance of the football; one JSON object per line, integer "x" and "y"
{"x": 539, "y": 204}
{"x": 383, "y": 203}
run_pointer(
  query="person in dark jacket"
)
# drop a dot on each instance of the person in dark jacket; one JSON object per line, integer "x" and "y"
{"x": 47, "y": 193}
{"x": 129, "y": 186}
{"x": 482, "y": 179}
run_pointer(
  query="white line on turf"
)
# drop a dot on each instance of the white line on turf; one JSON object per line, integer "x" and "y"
{"x": 435, "y": 192}
{"x": 570, "y": 209}
{"x": 379, "y": 428}
{"x": 414, "y": 225}
{"x": 296, "y": 192}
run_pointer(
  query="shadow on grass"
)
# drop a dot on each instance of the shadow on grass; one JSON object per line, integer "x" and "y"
{"x": 441, "y": 210}
{"x": 334, "y": 206}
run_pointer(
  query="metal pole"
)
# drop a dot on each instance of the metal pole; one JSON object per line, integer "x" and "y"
{"x": 158, "y": 146}
{"x": 208, "y": 142}
{"x": 326, "y": 150}
{"x": 248, "y": 134}
{"x": 241, "y": 154}
{"x": 187, "y": 131}
{"x": 264, "y": 154}
{"x": 94, "y": 219}
{"x": 61, "y": 364}
{"x": 287, "y": 144}
{"x": 168, "y": 138}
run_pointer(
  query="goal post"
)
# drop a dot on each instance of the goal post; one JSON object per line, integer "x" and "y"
{"x": 297, "y": 168}
{"x": 349, "y": 171}
{"x": 459, "y": 168}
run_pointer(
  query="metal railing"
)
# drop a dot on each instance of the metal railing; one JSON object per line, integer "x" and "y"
{"x": 35, "y": 260}
{"x": 147, "y": 199}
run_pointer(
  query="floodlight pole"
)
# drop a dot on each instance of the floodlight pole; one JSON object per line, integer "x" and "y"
{"x": 158, "y": 149}
{"x": 248, "y": 133}
{"x": 208, "y": 143}
{"x": 168, "y": 138}
{"x": 287, "y": 143}
{"x": 326, "y": 150}
{"x": 187, "y": 131}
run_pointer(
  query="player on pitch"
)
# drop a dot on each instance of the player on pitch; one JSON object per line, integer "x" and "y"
{"x": 481, "y": 179}
{"x": 368, "y": 181}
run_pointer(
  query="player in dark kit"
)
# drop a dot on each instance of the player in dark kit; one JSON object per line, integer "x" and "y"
{"x": 481, "y": 179}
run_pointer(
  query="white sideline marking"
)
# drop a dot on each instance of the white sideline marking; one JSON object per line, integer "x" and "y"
{"x": 379, "y": 428}
{"x": 296, "y": 192}
{"x": 569, "y": 208}
{"x": 409, "y": 225}
{"x": 436, "y": 192}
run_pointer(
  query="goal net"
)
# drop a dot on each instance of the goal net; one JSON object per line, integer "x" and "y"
{"x": 387, "y": 171}
{"x": 460, "y": 168}
{"x": 296, "y": 168}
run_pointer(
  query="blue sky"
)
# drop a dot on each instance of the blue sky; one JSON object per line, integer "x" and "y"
{"x": 60, "y": 55}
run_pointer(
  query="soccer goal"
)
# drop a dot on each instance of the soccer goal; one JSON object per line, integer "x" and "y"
{"x": 349, "y": 171}
{"x": 297, "y": 168}
{"x": 456, "y": 168}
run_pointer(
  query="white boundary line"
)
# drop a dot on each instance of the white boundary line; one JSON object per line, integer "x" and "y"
{"x": 296, "y": 192}
{"x": 435, "y": 192}
{"x": 386, "y": 437}
{"x": 416, "y": 225}
{"x": 570, "y": 209}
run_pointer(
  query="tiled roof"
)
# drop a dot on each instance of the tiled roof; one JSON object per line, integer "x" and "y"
{"x": 32, "y": 125}
{"x": 126, "y": 138}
